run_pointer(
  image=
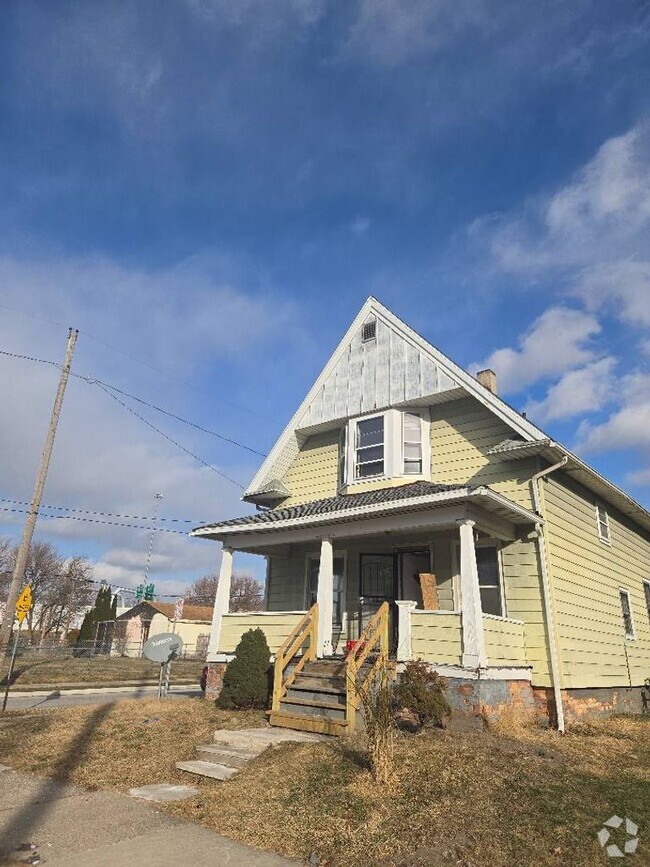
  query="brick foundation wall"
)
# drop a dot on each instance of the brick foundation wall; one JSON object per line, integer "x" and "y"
{"x": 215, "y": 679}
{"x": 598, "y": 702}
{"x": 492, "y": 698}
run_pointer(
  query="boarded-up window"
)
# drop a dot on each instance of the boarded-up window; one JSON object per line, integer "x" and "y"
{"x": 627, "y": 613}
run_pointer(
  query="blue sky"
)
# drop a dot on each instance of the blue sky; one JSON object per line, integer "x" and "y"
{"x": 214, "y": 188}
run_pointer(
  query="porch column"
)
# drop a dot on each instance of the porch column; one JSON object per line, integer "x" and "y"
{"x": 471, "y": 615}
{"x": 325, "y": 599}
{"x": 405, "y": 608}
{"x": 222, "y": 600}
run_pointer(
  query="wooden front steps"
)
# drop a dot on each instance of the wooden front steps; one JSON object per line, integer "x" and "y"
{"x": 315, "y": 701}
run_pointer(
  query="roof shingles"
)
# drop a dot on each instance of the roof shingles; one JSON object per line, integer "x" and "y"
{"x": 337, "y": 504}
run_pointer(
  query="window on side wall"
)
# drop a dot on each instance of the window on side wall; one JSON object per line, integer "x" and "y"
{"x": 626, "y": 610}
{"x": 646, "y": 590}
{"x": 369, "y": 448}
{"x": 602, "y": 519}
{"x": 412, "y": 443}
{"x": 489, "y": 579}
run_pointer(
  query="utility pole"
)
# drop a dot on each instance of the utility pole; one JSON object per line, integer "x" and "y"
{"x": 32, "y": 515}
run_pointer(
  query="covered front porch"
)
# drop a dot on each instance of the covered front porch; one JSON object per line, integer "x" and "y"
{"x": 346, "y": 562}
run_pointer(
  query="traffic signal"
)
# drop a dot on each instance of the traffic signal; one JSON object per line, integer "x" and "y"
{"x": 139, "y": 592}
{"x": 148, "y": 593}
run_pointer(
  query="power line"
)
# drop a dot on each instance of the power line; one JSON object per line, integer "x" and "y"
{"x": 94, "y": 381}
{"x": 104, "y": 514}
{"x": 95, "y": 521}
{"x": 170, "y": 439}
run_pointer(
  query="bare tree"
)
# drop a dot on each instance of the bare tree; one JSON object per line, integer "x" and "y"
{"x": 60, "y": 588}
{"x": 246, "y": 593}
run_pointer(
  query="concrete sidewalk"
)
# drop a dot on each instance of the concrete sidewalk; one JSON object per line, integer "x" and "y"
{"x": 74, "y": 827}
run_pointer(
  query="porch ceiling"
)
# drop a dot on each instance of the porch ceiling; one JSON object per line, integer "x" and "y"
{"x": 420, "y": 506}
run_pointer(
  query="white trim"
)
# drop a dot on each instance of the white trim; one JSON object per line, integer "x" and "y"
{"x": 221, "y": 600}
{"x": 261, "y": 613}
{"x": 473, "y": 638}
{"x": 437, "y": 611}
{"x": 646, "y": 596}
{"x": 523, "y": 672}
{"x": 630, "y": 636}
{"x": 405, "y": 608}
{"x": 504, "y": 619}
{"x": 374, "y": 510}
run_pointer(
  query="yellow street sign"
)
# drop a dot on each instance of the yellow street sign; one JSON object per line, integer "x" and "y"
{"x": 24, "y": 603}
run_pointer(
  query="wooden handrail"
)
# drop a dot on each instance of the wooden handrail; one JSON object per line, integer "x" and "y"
{"x": 306, "y": 630}
{"x": 373, "y": 639}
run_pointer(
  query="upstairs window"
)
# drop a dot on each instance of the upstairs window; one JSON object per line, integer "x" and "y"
{"x": 602, "y": 519}
{"x": 369, "y": 448}
{"x": 646, "y": 590}
{"x": 412, "y": 443}
{"x": 626, "y": 610}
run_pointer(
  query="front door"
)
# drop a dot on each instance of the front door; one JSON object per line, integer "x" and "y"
{"x": 378, "y": 584}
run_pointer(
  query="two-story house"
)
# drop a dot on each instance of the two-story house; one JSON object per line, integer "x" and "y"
{"x": 407, "y": 504}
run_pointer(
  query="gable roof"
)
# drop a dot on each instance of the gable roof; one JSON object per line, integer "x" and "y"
{"x": 199, "y": 613}
{"x": 418, "y": 372}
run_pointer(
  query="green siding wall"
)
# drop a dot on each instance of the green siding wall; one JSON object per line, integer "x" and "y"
{"x": 585, "y": 577}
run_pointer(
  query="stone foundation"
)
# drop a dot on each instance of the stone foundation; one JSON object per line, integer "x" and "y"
{"x": 594, "y": 703}
{"x": 491, "y": 699}
{"x": 215, "y": 679}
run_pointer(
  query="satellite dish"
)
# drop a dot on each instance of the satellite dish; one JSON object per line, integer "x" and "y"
{"x": 163, "y": 647}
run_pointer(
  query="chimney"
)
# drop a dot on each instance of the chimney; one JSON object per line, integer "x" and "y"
{"x": 488, "y": 378}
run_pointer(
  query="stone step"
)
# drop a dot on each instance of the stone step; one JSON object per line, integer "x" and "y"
{"x": 257, "y": 740}
{"x": 208, "y": 769}
{"x": 221, "y": 755}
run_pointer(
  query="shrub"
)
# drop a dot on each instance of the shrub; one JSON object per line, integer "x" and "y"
{"x": 422, "y": 692}
{"x": 246, "y": 678}
{"x": 377, "y": 697}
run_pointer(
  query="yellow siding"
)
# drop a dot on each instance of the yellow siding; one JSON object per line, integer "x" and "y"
{"x": 586, "y": 575}
{"x": 314, "y": 473}
{"x": 276, "y": 627}
{"x": 436, "y": 637}
{"x": 462, "y": 432}
{"x": 504, "y": 641}
{"x": 523, "y": 592}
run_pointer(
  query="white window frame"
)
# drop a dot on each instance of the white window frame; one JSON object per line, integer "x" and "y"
{"x": 623, "y": 591}
{"x": 393, "y": 447}
{"x": 646, "y": 594}
{"x": 455, "y": 568}
{"x": 606, "y": 540}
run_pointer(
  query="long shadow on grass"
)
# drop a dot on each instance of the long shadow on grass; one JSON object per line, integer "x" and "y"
{"x": 48, "y": 793}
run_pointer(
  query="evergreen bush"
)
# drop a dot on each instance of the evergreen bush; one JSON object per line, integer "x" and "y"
{"x": 422, "y": 692}
{"x": 246, "y": 678}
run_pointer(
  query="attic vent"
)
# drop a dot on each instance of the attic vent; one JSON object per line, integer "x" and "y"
{"x": 369, "y": 331}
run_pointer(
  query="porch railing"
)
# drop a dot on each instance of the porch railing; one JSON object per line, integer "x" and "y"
{"x": 372, "y": 643}
{"x": 306, "y": 632}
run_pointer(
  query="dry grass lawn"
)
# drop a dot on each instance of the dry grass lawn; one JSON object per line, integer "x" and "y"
{"x": 509, "y": 797}
{"x": 55, "y": 671}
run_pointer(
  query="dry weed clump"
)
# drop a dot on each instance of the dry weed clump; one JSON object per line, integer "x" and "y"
{"x": 378, "y": 701}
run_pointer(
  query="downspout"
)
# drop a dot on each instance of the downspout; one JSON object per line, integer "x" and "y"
{"x": 548, "y": 605}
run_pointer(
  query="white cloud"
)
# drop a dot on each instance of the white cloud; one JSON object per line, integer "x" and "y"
{"x": 360, "y": 225}
{"x": 389, "y": 32}
{"x": 585, "y": 390}
{"x": 629, "y": 426}
{"x": 556, "y": 342}
{"x": 621, "y": 287}
{"x": 180, "y": 320}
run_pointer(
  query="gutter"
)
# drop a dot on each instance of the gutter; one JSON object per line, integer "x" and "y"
{"x": 548, "y": 604}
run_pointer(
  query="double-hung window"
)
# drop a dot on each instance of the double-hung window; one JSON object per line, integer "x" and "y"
{"x": 646, "y": 590}
{"x": 489, "y": 579}
{"x": 626, "y": 610}
{"x": 369, "y": 448}
{"x": 602, "y": 519}
{"x": 412, "y": 443}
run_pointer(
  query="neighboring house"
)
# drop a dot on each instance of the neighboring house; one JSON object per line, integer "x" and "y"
{"x": 134, "y": 627}
{"x": 399, "y": 464}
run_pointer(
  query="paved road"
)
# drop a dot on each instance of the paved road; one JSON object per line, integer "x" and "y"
{"x": 25, "y": 701}
{"x": 74, "y": 827}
